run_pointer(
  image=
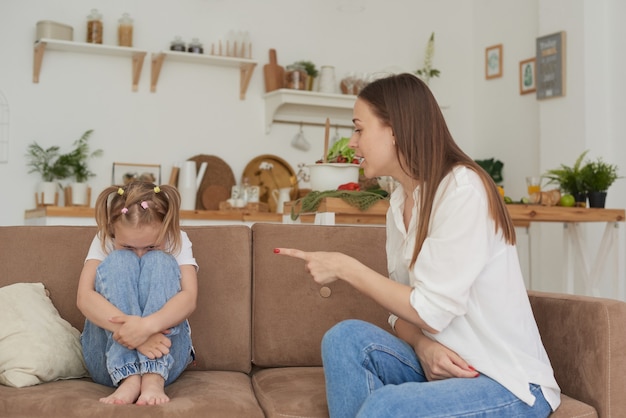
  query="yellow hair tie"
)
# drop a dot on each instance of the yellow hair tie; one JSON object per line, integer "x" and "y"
{"x": 120, "y": 191}
{"x": 157, "y": 189}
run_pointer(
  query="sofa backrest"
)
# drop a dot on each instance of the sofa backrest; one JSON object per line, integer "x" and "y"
{"x": 221, "y": 324}
{"x": 291, "y": 312}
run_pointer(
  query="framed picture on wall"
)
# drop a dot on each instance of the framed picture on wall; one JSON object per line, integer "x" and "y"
{"x": 527, "y": 82}
{"x": 124, "y": 173}
{"x": 550, "y": 56}
{"x": 493, "y": 61}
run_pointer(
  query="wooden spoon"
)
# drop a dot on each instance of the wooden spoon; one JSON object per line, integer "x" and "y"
{"x": 326, "y": 136}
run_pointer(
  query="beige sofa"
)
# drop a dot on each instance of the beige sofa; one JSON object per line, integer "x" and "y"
{"x": 260, "y": 319}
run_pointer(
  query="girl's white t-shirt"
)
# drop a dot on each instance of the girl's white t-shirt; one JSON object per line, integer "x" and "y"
{"x": 184, "y": 257}
{"x": 468, "y": 285}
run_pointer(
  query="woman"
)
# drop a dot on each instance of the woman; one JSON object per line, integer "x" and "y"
{"x": 465, "y": 343}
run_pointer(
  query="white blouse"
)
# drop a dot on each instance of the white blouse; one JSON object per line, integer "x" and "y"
{"x": 468, "y": 285}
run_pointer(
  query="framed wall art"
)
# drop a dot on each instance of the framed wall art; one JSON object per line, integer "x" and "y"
{"x": 493, "y": 61}
{"x": 550, "y": 58}
{"x": 124, "y": 173}
{"x": 527, "y": 75}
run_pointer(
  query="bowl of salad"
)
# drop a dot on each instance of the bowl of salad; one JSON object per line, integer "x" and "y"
{"x": 341, "y": 167}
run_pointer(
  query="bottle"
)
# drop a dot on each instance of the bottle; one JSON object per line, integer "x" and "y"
{"x": 327, "y": 79}
{"x": 125, "y": 30}
{"x": 177, "y": 44}
{"x": 295, "y": 77}
{"x": 94, "y": 27}
{"x": 195, "y": 46}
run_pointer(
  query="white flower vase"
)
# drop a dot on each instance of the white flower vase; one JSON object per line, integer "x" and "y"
{"x": 79, "y": 194}
{"x": 48, "y": 193}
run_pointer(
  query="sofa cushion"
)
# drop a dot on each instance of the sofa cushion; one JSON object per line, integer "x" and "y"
{"x": 291, "y": 391}
{"x": 195, "y": 394}
{"x": 285, "y": 298}
{"x": 36, "y": 344}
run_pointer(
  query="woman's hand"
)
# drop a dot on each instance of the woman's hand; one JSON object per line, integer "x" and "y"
{"x": 324, "y": 267}
{"x": 439, "y": 362}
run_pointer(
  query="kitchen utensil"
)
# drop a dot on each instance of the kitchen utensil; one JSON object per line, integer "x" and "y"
{"x": 189, "y": 184}
{"x": 280, "y": 175}
{"x": 326, "y": 135}
{"x": 218, "y": 173}
{"x": 329, "y": 176}
{"x": 274, "y": 73}
{"x": 300, "y": 142}
{"x": 281, "y": 196}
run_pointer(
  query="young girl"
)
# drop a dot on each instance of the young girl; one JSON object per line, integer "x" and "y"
{"x": 137, "y": 288}
{"x": 466, "y": 342}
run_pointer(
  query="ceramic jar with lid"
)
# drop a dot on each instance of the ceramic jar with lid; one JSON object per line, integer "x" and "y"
{"x": 295, "y": 77}
{"x": 125, "y": 30}
{"x": 94, "y": 27}
{"x": 195, "y": 46}
{"x": 177, "y": 44}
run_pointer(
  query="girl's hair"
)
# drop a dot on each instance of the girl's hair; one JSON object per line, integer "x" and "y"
{"x": 140, "y": 203}
{"x": 425, "y": 148}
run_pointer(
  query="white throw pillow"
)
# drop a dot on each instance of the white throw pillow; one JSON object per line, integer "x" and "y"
{"x": 36, "y": 344}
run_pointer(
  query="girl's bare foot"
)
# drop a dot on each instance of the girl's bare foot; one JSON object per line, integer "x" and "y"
{"x": 152, "y": 390}
{"x": 127, "y": 392}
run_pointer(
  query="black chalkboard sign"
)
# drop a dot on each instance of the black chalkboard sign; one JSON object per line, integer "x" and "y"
{"x": 551, "y": 66}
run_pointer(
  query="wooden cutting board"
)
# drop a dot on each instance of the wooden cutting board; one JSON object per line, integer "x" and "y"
{"x": 274, "y": 73}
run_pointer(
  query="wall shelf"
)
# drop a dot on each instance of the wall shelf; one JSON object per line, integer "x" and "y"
{"x": 246, "y": 66}
{"x": 311, "y": 108}
{"x": 137, "y": 56}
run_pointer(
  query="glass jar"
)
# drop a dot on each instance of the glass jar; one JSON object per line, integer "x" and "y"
{"x": 195, "y": 46}
{"x": 125, "y": 30}
{"x": 295, "y": 77}
{"x": 94, "y": 27}
{"x": 177, "y": 44}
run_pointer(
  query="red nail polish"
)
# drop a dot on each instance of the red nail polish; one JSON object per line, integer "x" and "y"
{"x": 276, "y": 251}
{"x": 471, "y": 367}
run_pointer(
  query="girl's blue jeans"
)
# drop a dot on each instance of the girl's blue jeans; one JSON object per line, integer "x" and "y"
{"x": 136, "y": 286}
{"x": 372, "y": 373}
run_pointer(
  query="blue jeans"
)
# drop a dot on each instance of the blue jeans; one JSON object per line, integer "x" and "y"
{"x": 372, "y": 373}
{"x": 136, "y": 286}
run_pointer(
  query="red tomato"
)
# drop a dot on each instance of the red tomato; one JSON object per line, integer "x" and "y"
{"x": 349, "y": 187}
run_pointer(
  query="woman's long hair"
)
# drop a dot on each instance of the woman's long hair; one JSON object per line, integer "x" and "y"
{"x": 425, "y": 148}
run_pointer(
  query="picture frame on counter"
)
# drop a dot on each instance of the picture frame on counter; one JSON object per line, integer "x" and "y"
{"x": 124, "y": 173}
{"x": 550, "y": 65}
{"x": 527, "y": 76}
{"x": 493, "y": 61}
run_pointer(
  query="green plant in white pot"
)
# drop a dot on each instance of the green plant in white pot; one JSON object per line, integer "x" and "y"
{"x": 597, "y": 177}
{"x": 78, "y": 159}
{"x": 46, "y": 162}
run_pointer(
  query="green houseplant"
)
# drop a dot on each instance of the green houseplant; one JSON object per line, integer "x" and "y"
{"x": 598, "y": 176}
{"x": 570, "y": 179}
{"x": 77, "y": 160}
{"x": 48, "y": 164}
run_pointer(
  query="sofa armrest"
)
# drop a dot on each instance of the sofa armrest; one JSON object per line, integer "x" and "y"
{"x": 585, "y": 339}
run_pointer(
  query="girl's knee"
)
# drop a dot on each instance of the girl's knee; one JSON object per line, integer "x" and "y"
{"x": 345, "y": 334}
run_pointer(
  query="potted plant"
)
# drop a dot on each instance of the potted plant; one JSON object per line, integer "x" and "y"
{"x": 311, "y": 71}
{"x": 570, "y": 180}
{"x": 48, "y": 164}
{"x": 598, "y": 176}
{"x": 77, "y": 160}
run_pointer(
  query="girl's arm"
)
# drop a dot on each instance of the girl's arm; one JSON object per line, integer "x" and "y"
{"x": 93, "y": 305}
{"x": 133, "y": 331}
